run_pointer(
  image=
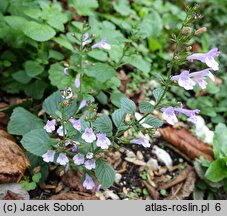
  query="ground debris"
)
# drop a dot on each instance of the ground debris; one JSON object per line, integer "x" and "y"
{"x": 188, "y": 144}
{"x": 13, "y": 162}
{"x": 73, "y": 196}
{"x": 183, "y": 189}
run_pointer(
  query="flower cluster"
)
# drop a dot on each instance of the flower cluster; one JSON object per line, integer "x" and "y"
{"x": 188, "y": 80}
{"x": 62, "y": 156}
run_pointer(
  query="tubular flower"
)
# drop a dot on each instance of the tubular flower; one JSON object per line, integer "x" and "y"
{"x": 207, "y": 58}
{"x": 102, "y": 44}
{"x": 170, "y": 114}
{"x": 189, "y": 80}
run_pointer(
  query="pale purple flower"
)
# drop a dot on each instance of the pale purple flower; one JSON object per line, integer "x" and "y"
{"x": 189, "y": 80}
{"x": 50, "y": 126}
{"x": 67, "y": 93}
{"x": 144, "y": 141}
{"x": 170, "y": 114}
{"x": 86, "y": 39}
{"x": 65, "y": 71}
{"x": 88, "y": 182}
{"x": 88, "y": 135}
{"x": 102, "y": 141}
{"x": 78, "y": 159}
{"x": 62, "y": 159}
{"x": 207, "y": 58}
{"x": 75, "y": 147}
{"x": 102, "y": 44}
{"x": 75, "y": 123}
{"x": 97, "y": 189}
{"x": 90, "y": 164}
{"x": 67, "y": 142}
{"x": 60, "y": 131}
{"x": 89, "y": 155}
{"x": 77, "y": 82}
{"x": 82, "y": 104}
{"x": 191, "y": 114}
{"x": 48, "y": 156}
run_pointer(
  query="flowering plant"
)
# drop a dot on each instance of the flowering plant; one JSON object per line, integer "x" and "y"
{"x": 75, "y": 136}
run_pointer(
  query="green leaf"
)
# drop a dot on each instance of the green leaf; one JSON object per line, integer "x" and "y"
{"x": 128, "y": 105}
{"x": 33, "y": 68}
{"x": 152, "y": 121}
{"x": 104, "y": 125}
{"x": 220, "y": 141}
{"x": 30, "y": 186}
{"x": 63, "y": 41}
{"x": 138, "y": 62}
{"x": 51, "y": 105}
{"x": 152, "y": 25}
{"x": 217, "y": 171}
{"x": 84, "y": 7}
{"x": 102, "y": 98}
{"x": 16, "y": 22}
{"x": 22, "y": 121}
{"x": 38, "y": 32}
{"x": 146, "y": 107}
{"x": 115, "y": 98}
{"x": 118, "y": 117}
{"x": 21, "y": 77}
{"x": 57, "y": 77}
{"x": 36, "y": 177}
{"x": 36, "y": 89}
{"x": 34, "y": 13}
{"x": 105, "y": 174}
{"x": 123, "y": 7}
{"x": 158, "y": 94}
{"x": 36, "y": 142}
{"x": 55, "y": 55}
{"x": 98, "y": 55}
{"x": 101, "y": 71}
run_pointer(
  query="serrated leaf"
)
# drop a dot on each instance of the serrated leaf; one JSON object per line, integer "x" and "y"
{"x": 16, "y": 22}
{"x": 146, "y": 107}
{"x": 38, "y": 32}
{"x": 128, "y": 105}
{"x": 22, "y": 121}
{"x": 36, "y": 89}
{"x": 138, "y": 62}
{"x": 36, "y": 177}
{"x": 105, "y": 174}
{"x": 84, "y": 7}
{"x": 57, "y": 77}
{"x": 101, "y": 71}
{"x": 104, "y": 125}
{"x": 63, "y": 41}
{"x": 36, "y": 142}
{"x": 115, "y": 98}
{"x": 33, "y": 68}
{"x": 118, "y": 117}
{"x": 152, "y": 121}
{"x": 158, "y": 94}
{"x": 217, "y": 171}
{"x": 30, "y": 186}
{"x": 220, "y": 141}
{"x": 51, "y": 105}
{"x": 21, "y": 77}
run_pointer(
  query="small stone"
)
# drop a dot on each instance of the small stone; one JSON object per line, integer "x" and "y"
{"x": 153, "y": 163}
{"x": 139, "y": 155}
{"x": 110, "y": 194}
{"x": 130, "y": 154}
{"x": 15, "y": 188}
{"x": 118, "y": 177}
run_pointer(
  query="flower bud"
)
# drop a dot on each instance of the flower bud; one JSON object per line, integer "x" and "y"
{"x": 186, "y": 30}
{"x": 189, "y": 48}
{"x": 200, "y": 31}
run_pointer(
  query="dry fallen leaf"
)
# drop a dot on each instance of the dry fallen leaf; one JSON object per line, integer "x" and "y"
{"x": 73, "y": 196}
{"x": 153, "y": 193}
{"x": 188, "y": 144}
{"x": 184, "y": 189}
{"x": 13, "y": 162}
{"x": 12, "y": 196}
